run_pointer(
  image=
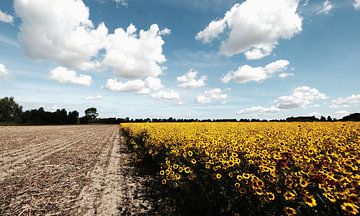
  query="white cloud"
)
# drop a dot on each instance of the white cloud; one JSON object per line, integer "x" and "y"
{"x": 165, "y": 31}
{"x": 189, "y": 80}
{"x": 284, "y": 75}
{"x": 63, "y": 75}
{"x": 171, "y": 96}
{"x": 255, "y": 27}
{"x": 138, "y": 85}
{"x": 247, "y": 73}
{"x": 121, "y": 3}
{"x": 300, "y": 97}
{"x": 345, "y": 102}
{"x": 210, "y": 95}
{"x": 341, "y": 113}
{"x": 258, "y": 110}
{"x": 3, "y": 71}
{"x": 356, "y": 4}
{"x": 153, "y": 83}
{"x": 325, "y": 8}
{"x": 133, "y": 55}
{"x": 227, "y": 77}
{"x": 6, "y": 18}
{"x": 60, "y": 30}
{"x": 96, "y": 97}
{"x": 212, "y": 31}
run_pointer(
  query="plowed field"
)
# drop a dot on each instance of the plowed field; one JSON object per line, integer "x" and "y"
{"x": 66, "y": 170}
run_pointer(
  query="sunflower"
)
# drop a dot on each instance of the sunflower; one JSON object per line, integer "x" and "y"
{"x": 289, "y": 195}
{"x": 303, "y": 183}
{"x": 190, "y": 153}
{"x": 193, "y": 161}
{"x": 330, "y": 197}
{"x": 350, "y": 208}
{"x": 310, "y": 200}
{"x": 289, "y": 211}
{"x": 270, "y": 196}
{"x": 218, "y": 176}
{"x": 259, "y": 191}
{"x": 260, "y": 183}
{"x": 246, "y": 175}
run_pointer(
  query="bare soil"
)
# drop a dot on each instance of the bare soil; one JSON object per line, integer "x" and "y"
{"x": 68, "y": 170}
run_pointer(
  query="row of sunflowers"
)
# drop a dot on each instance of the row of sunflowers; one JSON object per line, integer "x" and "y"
{"x": 258, "y": 168}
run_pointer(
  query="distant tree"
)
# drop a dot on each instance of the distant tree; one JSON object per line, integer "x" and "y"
{"x": 91, "y": 113}
{"x": 352, "y": 117}
{"x": 73, "y": 117}
{"x": 10, "y": 111}
{"x": 329, "y": 119}
{"x": 322, "y": 118}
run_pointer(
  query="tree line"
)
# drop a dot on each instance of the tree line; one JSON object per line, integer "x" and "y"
{"x": 12, "y": 113}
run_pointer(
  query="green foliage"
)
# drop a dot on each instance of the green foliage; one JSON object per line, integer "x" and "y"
{"x": 10, "y": 111}
{"x": 91, "y": 113}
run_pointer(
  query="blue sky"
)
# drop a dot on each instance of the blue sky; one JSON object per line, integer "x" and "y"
{"x": 195, "y": 59}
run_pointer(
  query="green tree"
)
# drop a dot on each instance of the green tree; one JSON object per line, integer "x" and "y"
{"x": 10, "y": 111}
{"x": 91, "y": 113}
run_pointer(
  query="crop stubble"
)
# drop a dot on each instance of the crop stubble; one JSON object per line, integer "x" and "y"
{"x": 64, "y": 170}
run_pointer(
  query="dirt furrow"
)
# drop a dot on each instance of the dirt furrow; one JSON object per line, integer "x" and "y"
{"x": 52, "y": 185}
{"x": 31, "y": 155}
{"x": 112, "y": 193}
{"x": 43, "y": 141}
{"x": 18, "y": 137}
{"x": 91, "y": 195}
{"x": 41, "y": 145}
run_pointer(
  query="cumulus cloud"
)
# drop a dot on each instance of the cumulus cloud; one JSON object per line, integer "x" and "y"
{"x": 300, "y": 97}
{"x": 341, "y": 113}
{"x": 356, "y": 4}
{"x": 211, "y": 95}
{"x": 212, "y": 31}
{"x": 121, "y": 3}
{"x": 325, "y": 8}
{"x": 189, "y": 80}
{"x": 3, "y": 71}
{"x": 345, "y": 102}
{"x": 61, "y": 31}
{"x": 284, "y": 75}
{"x": 247, "y": 73}
{"x": 255, "y": 27}
{"x": 63, "y": 75}
{"x": 258, "y": 110}
{"x": 133, "y": 55}
{"x": 96, "y": 97}
{"x": 171, "y": 96}
{"x": 6, "y": 18}
{"x": 138, "y": 85}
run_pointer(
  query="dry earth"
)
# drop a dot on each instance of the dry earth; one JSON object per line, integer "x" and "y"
{"x": 68, "y": 170}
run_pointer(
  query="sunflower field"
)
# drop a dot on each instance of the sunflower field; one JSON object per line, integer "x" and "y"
{"x": 262, "y": 168}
